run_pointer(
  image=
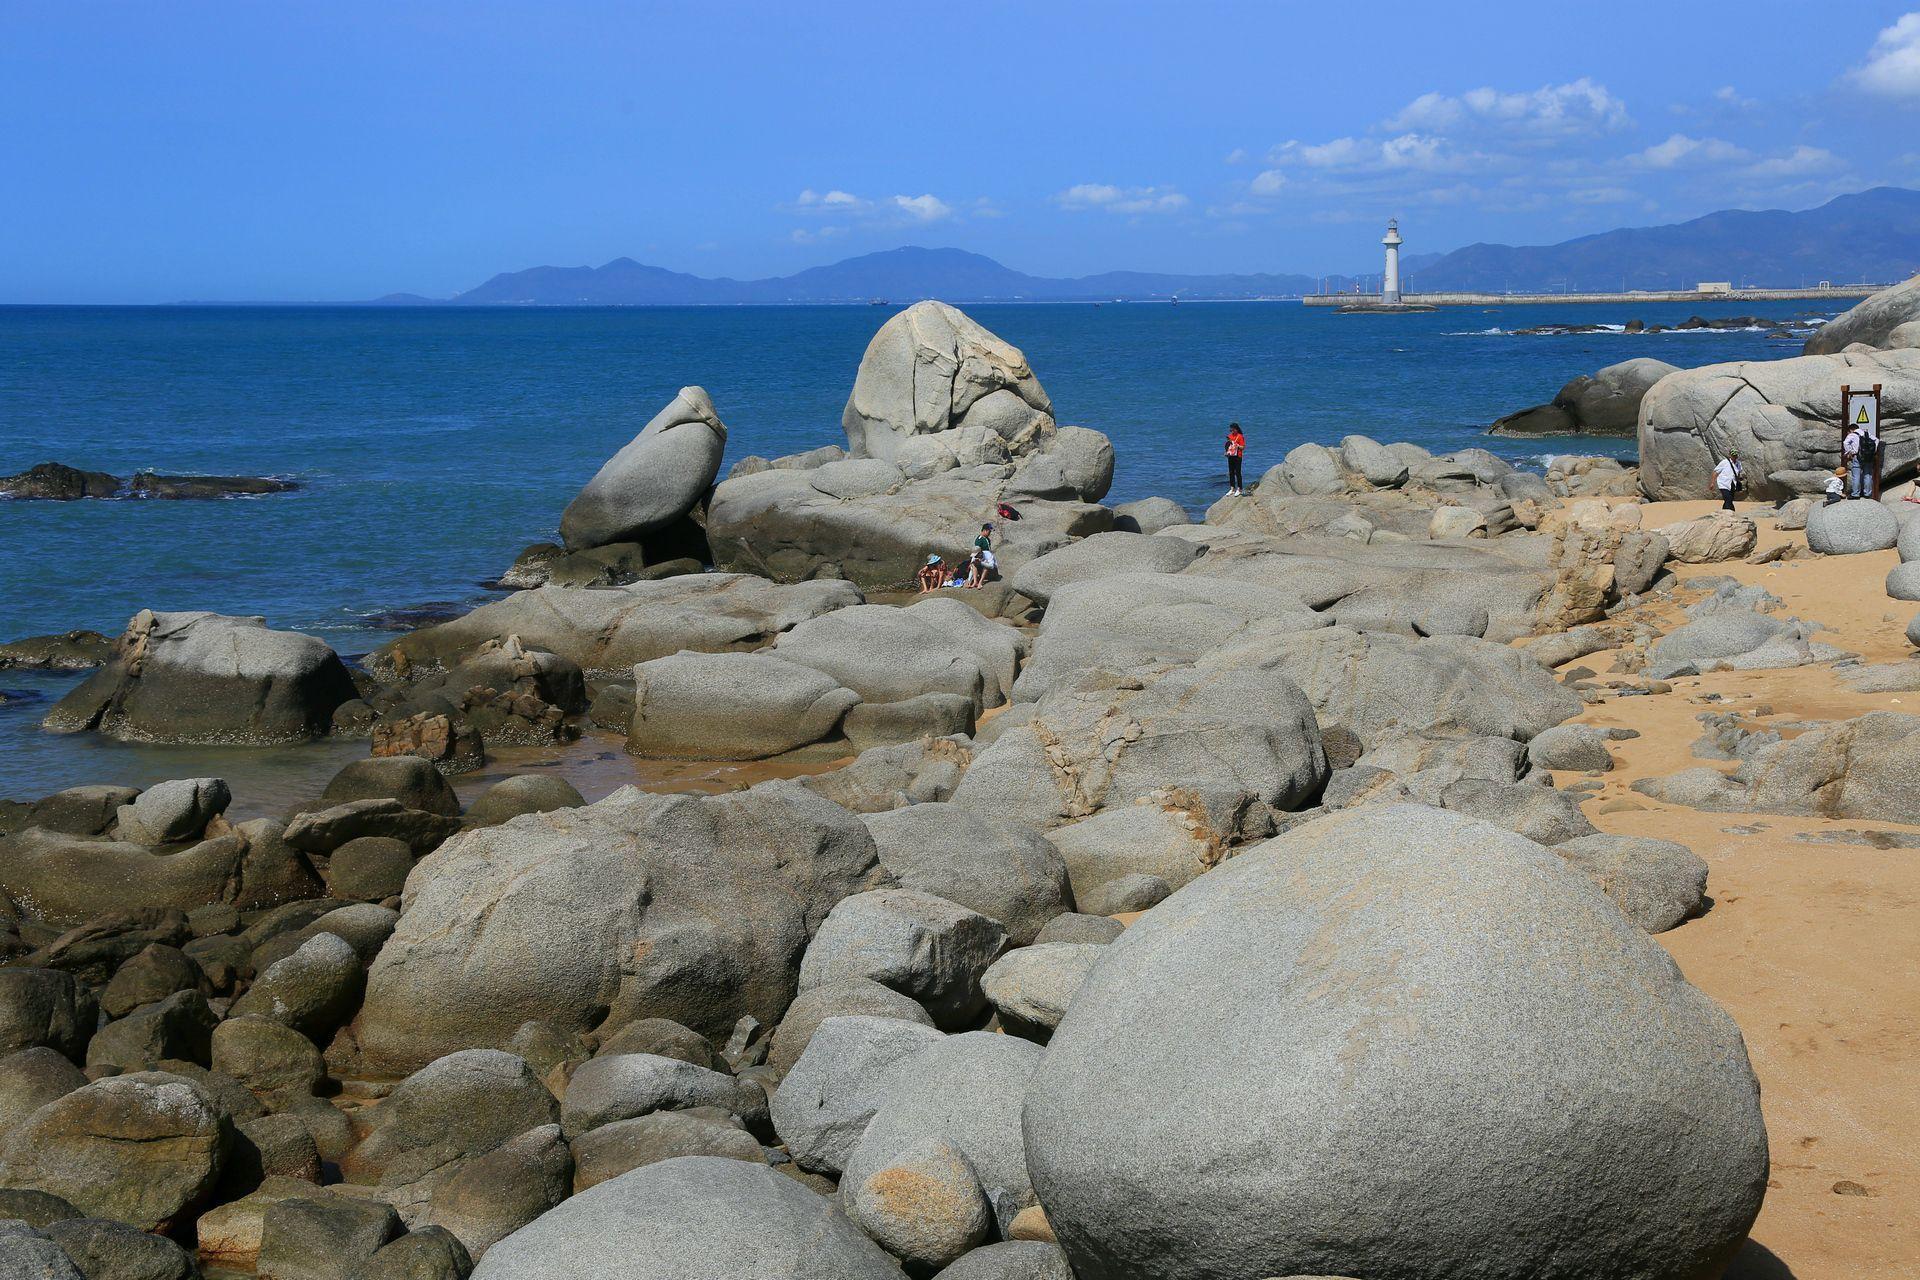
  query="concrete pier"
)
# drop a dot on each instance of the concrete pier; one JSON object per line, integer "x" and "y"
{"x": 1422, "y": 300}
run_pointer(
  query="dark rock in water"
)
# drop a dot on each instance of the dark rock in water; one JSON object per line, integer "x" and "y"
{"x": 207, "y": 677}
{"x": 677, "y": 548}
{"x": 68, "y": 651}
{"x": 57, "y": 482}
{"x": 413, "y": 617}
{"x": 1540, "y": 420}
{"x": 146, "y": 484}
{"x": 1606, "y": 404}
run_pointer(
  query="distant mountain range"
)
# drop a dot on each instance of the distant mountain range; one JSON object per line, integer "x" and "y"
{"x": 1872, "y": 235}
{"x": 896, "y": 275}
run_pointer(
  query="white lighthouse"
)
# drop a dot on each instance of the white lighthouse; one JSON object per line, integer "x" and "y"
{"x": 1390, "y": 282}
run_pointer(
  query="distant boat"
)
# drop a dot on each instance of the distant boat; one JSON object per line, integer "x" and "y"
{"x": 877, "y": 302}
{"x": 1174, "y": 300}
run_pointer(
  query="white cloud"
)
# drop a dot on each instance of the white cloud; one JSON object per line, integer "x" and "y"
{"x": 923, "y": 208}
{"x": 1600, "y": 195}
{"x": 1237, "y": 156}
{"x": 805, "y": 235}
{"x": 895, "y": 210}
{"x": 1579, "y": 106}
{"x": 1267, "y": 182}
{"x": 1892, "y": 68}
{"x": 1800, "y": 162}
{"x": 1100, "y": 195}
{"x": 1408, "y": 151}
{"x": 836, "y": 201}
{"x": 1679, "y": 150}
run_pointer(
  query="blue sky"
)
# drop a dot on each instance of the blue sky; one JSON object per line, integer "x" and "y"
{"x": 160, "y": 151}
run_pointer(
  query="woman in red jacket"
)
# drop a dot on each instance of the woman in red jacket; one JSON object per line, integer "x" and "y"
{"x": 1236, "y": 450}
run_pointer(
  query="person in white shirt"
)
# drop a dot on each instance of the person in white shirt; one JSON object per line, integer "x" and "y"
{"x": 1726, "y": 478}
{"x": 1850, "y": 455}
{"x": 1836, "y": 486}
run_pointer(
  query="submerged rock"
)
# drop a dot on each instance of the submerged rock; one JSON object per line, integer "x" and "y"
{"x": 57, "y": 482}
{"x": 68, "y": 651}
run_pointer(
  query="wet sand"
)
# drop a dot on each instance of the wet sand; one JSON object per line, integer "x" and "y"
{"x": 1812, "y": 945}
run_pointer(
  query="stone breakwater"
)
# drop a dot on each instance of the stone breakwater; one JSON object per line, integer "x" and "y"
{"x": 1178, "y": 845}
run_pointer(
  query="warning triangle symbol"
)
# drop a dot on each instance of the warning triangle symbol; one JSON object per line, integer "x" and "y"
{"x": 1862, "y": 419}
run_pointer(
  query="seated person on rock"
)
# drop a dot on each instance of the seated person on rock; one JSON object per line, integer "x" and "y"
{"x": 980, "y": 567}
{"x": 1837, "y": 486}
{"x": 933, "y": 575}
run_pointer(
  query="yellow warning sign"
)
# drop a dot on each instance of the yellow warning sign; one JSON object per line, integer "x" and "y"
{"x": 1860, "y": 410}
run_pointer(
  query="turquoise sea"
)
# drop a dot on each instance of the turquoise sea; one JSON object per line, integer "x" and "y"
{"x": 433, "y": 443}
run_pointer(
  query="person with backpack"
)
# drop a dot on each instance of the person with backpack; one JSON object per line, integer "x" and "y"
{"x": 1236, "y": 453}
{"x": 1869, "y": 463}
{"x": 1726, "y": 478}
{"x": 1850, "y": 446}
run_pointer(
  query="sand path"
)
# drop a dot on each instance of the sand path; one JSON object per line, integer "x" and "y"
{"x": 1812, "y": 945}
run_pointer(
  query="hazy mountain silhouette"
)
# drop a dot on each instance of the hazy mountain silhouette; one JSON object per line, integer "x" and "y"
{"x": 1871, "y": 235}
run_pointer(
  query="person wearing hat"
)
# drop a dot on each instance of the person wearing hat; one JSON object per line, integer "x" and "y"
{"x": 1726, "y": 478}
{"x": 933, "y": 575}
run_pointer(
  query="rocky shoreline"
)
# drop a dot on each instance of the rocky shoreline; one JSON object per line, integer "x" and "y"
{"x": 1316, "y": 827}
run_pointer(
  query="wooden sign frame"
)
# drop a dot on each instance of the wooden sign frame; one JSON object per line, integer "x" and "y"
{"x": 1848, "y": 395}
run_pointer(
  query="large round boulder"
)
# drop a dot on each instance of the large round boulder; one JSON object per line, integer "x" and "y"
{"x": 1470, "y": 1064}
{"x": 691, "y": 1216}
{"x": 464, "y": 1104}
{"x": 208, "y": 678}
{"x": 139, "y": 1148}
{"x": 1234, "y": 742}
{"x": 966, "y": 1090}
{"x": 1779, "y": 415}
{"x": 731, "y": 706}
{"x": 1101, "y": 556}
{"x": 1872, "y": 321}
{"x": 1851, "y": 528}
{"x": 999, "y": 868}
{"x": 693, "y": 908}
{"x": 414, "y": 782}
{"x": 654, "y": 480}
{"x": 931, "y": 370}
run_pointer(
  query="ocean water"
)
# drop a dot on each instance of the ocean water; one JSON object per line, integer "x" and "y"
{"x": 434, "y": 443}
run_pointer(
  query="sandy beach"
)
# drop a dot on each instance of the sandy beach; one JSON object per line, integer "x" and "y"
{"x": 1811, "y": 943}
